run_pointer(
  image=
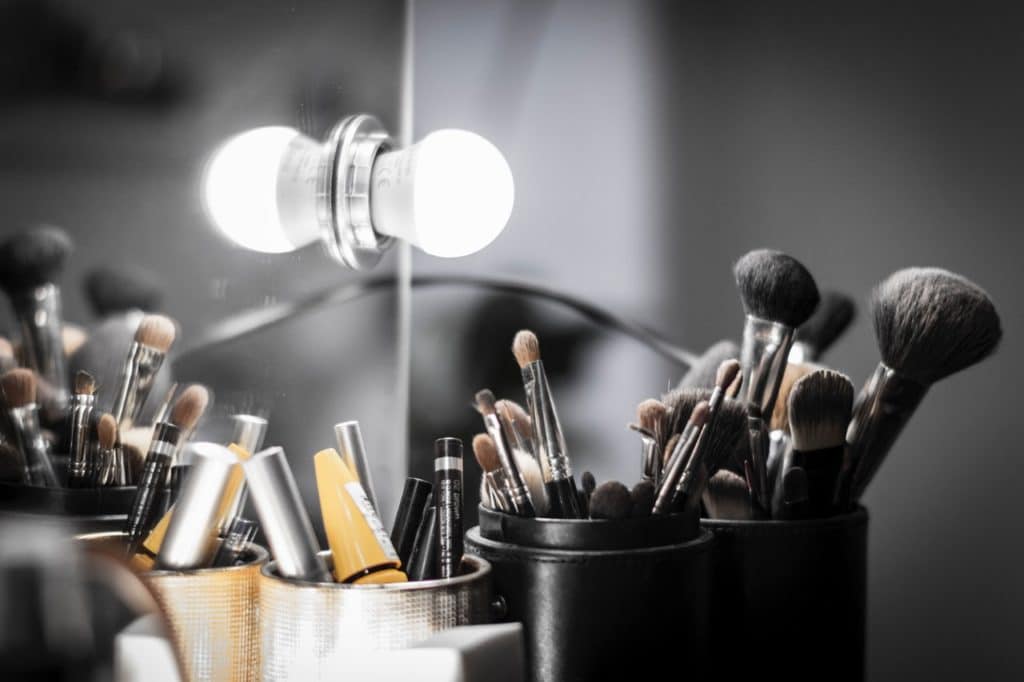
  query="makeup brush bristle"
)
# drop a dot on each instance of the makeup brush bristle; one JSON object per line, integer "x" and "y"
{"x": 727, "y": 496}
{"x": 85, "y": 383}
{"x": 642, "y": 496}
{"x": 702, "y": 374}
{"x": 485, "y": 403}
{"x": 33, "y": 257}
{"x": 512, "y": 412}
{"x": 727, "y": 373}
{"x": 106, "y": 431}
{"x": 931, "y": 323}
{"x": 486, "y": 452}
{"x": 650, "y": 417}
{"x": 588, "y": 482}
{"x": 728, "y": 438}
{"x": 189, "y": 407}
{"x": 19, "y": 386}
{"x": 526, "y": 347}
{"x": 819, "y": 410}
{"x": 156, "y": 332}
{"x": 679, "y": 405}
{"x": 777, "y": 287}
{"x": 113, "y": 290}
{"x": 794, "y": 372}
{"x": 833, "y": 315}
{"x": 611, "y": 500}
{"x": 7, "y": 359}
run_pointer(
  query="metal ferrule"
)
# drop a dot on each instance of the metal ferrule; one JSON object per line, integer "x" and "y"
{"x": 552, "y": 453}
{"x": 516, "y": 491}
{"x": 38, "y": 467}
{"x": 883, "y": 407}
{"x": 495, "y": 484}
{"x": 191, "y": 538}
{"x": 283, "y": 517}
{"x": 113, "y": 472}
{"x": 39, "y": 315}
{"x": 763, "y": 358}
{"x": 649, "y": 456}
{"x": 137, "y": 376}
{"x": 80, "y": 467}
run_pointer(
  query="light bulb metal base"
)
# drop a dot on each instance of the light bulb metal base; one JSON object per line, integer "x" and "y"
{"x": 343, "y": 192}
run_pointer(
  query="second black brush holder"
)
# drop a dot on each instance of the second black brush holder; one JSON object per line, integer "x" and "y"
{"x": 601, "y": 599}
{"x": 789, "y": 597}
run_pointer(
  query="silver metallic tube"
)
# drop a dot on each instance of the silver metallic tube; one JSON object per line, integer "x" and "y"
{"x": 191, "y": 538}
{"x": 79, "y": 466}
{"x": 761, "y": 380}
{"x": 351, "y": 448}
{"x": 137, "y": 376}
{"x": 650, "y": 466}
{"x": 38, "y": 467}
{"x": 249, "y": 432}
{"x": 283, "y": 517}
{"x": 39, "y": 315}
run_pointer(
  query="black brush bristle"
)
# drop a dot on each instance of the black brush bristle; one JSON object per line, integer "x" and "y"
{"x": 611, "y": 500}
{"x": 112, "y": 290}
{"x": 728, "y": 440}
{"x": 588, "y": 482}
{"x": 33, "y": 257}
{"x": 931, "y": 323}
{"x": 819, "y": 410}
{"x": 776, "y": 287}
{"x": 832, "y": 317}
{"x": 643, "y": 494}
{"x": 680, "y": 404}
{"x": 702, "y": 374}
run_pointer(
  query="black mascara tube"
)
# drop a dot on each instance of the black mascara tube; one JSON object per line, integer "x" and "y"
{"x": 410, "y": 512}
{"x": 144, "y": 511}
{"x": 423, "y": 557}
{"x": 448, "y": 498}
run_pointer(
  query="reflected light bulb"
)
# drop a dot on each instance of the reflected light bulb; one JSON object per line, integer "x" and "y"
{"x": 450, "y": 194}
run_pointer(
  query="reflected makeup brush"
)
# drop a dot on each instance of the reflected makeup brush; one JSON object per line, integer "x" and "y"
{"x": 929, "y": 323}
{"x": 563, "y": 498}
{"x": 81, "y": 468}
{"x": 153, "y": 339}
{"x": 30, "y": 263}
{"x": 19, "y": 387}
{"x": 492, "y": 483}
{"x": 516, "y": 492}
{"x": 703, "y": 372}
{"x": 650, "y": 420}
{"x": 823, "y": 328}
{"x": 778, "y": 295}
{"x": 145, "y": 509}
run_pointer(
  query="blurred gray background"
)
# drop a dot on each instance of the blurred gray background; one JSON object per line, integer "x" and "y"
{"x": 652, "y": 144}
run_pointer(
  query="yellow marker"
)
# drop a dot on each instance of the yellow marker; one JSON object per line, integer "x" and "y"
{"x": 360, "y": 546}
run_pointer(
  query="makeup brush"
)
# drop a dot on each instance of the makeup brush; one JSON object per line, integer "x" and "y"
{"x": 153, "y": 339}
{"x": 677, "y": 459}
{"x": 515, "y": 490}
{"x": 793, "y": 373}
{"x": 643, "y": 494}
{"x": 611, "y": 500}
{"x": 679, "y": 404}
{"x": 778, "y": 295}
{"x": 492, "y": 483}
{"x": 795, "y": 495}
{"x": 929, "y": 323}
{"x": 72, "y": 337}
{"x": 702, "y": 373}
{"x": 519, "y": 424}
{"x": 7, "y": 359}
{"x": 111, "y": 290}
{"x": 650, "y": 420}
{"x": 563, "y": 499}
{"x": 30, "y": 263}
{"x": 19, "y": 388}
{"x": 145, "y": 509}
{"x": 819, "y": 412}
{"x": 115, "y": 471}
{"x": 727, "y": 497}
{"x": 81, "y": 468}
{"x": 587, "y": 486}
{"x": 830, "y": 320}
{"x": 722, "y": 438}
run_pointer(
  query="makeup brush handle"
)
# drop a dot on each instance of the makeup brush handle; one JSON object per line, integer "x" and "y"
{"x": 151, "y": 484}
{"x": 883, "y": 408}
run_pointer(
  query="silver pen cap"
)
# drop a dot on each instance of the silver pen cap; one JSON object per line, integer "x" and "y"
{"x": 248, "y": 434}
{"x": 352, "y": 450}
{"x": 191, "y": 538}
{"x": 283, "y": 516}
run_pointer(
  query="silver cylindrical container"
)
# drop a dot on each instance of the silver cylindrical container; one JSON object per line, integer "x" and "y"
{"x": 191, "y": 538}
{"x": 307, "y": 629}
{"x": 283, "y": 516}
{"x": 353, "y": 451}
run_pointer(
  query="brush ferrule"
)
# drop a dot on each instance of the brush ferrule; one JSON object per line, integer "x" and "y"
{"x": 496, "y": 484}
{"x": 553, "y": 455}
{"x": 883, "y": 407}
{"x": 39, "y": 315}
{"x": 137, "y": 377}
{"x": 38, "y": 467}
{"x": 763, "y": 359}
{"x": 79, "y": 466}
{"x": 649, "y": 459}
{"x": 516, "y": 491}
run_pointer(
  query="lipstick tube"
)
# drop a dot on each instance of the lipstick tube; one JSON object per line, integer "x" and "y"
{"x": 360, "y": 547}
{"x": 448, "y": 498}
{"x": 415, "y": 496}
{"x": 191, "y": 537}
{"x": 283, "y": 516}
{"x": 142, "y": 515}
{"x": 351, "y": 447}
{"x": 29, "y": 438}
{"x": 423, "y": 559}
{"x": 39, "y": 315}
{"x": 137, "y": 377}
{"x": 563, "y": 498}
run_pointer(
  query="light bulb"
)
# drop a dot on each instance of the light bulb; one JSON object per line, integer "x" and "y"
{"x": 450, "y": 194}
{"x": 257, "y": 191}
{"x": 275, "y": 190}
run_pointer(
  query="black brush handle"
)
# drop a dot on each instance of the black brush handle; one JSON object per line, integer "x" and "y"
{"x": 563, "y": 499}
{"x": 142, "y": 515}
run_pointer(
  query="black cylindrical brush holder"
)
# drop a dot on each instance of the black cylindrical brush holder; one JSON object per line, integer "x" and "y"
{"x": 600, "y": 599}
{"x": 790, "y": 597}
